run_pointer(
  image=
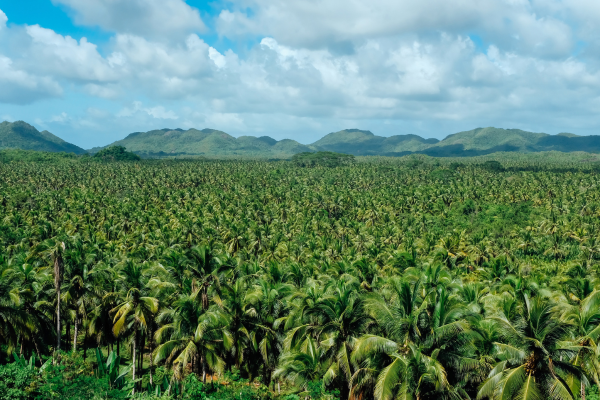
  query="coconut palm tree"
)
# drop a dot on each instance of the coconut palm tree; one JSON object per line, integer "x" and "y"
{"x": 533, "y": 360}
{"x": 191, "y": 335}
{"x": 136, "y": 305}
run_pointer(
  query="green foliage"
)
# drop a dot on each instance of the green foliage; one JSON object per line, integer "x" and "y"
{"x": 378, "y": 278}
{"x": 116, "y": 153}
{"x": 17, "y": 382}
{"x": 441, "y": 174}
{"x": 592, "y": 393}
{"x": 236, "y": 390}
{"x": 493, "y": 166}
{"x": 74, "y": 379}
{"x": 16, "y": 155}
{"x": 322, "y": 158}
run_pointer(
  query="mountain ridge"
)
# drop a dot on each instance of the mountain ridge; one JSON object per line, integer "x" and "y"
{"x": 479, "y": 141}
{"x": 21, "y": 135}
{"x": 215, "y": 143}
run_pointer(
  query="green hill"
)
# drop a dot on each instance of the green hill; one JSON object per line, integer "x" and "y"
{"x": 21, "y": 135}
{"x": 359, "y": 142}
{"x": 206, "y": 142}
{"x": 487, "y": 138}
{"x": 476, "y": 142}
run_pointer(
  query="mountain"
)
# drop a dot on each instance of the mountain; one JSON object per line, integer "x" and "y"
{"x": 21, "y": 135}
{"x": 480, "y": 141}
{"x": 359, "y": 142}
{"x": 210, "y": 142}
{"x": 475, "y": 142}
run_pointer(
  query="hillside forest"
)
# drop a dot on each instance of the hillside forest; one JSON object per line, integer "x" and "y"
{"x": 379, "y": 278}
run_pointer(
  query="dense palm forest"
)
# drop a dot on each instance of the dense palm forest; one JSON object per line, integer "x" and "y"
{"x": 380, "y": 279}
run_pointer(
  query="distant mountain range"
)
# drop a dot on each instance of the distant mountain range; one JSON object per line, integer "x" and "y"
{"x": 478, "y": 141}
{"x": 207, "y": 142}
{"x": 214, "y": 143}
{"x": 21, "y": 135}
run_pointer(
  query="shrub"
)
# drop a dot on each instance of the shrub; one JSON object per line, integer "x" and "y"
{"x": 16, "y": 382}
{"x": 116, "y": 153}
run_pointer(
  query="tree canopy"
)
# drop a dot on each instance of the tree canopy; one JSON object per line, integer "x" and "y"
{"x": 381, "y": 279}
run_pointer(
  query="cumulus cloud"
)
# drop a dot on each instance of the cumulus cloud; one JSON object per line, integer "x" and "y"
{"x": 337, "y": 64}
{"x": 65, "y": 56}
{"x": 20, "y": 87}
{"x": 340, "y": 24}
{"x": 3, "y": 20}
{"x": 157, "y": 112}
{"x": 148, "y": 18}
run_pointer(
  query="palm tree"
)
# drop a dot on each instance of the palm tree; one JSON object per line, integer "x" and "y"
{"x": 425, "y": 334}
{"x": 341, "y": 319}
{"x": 584, "y": 318}
{"x": 137, "y": 305}
{"x": 533, "y": 361}
{"x": 55, "y": 249}
{"x": 191, "y": 335}
{"x": 305, "y": 364}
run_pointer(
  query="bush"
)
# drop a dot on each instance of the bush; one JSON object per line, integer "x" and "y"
{"x": 493, "y": 166}
{"x": 116, "y": 153}
{"x": 16, "y": 382}
{"x": 73, "y": 379}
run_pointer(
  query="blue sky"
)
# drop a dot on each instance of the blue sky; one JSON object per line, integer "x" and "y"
{"x": 92, "y": 71}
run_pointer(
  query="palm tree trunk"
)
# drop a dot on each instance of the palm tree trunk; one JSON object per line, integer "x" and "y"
{"x": 75, "y": 331}
{"x": 151, "y": 356}
{"x": 85, "y": 347}
{"x": 133, "y": 359}
{"x": 57, "y": 283}
{"x": 582, "y": 390}
{"x": 203, "y": 361}
{"x": 37, "y": 350}
{"x": 68, "y": 335}
{"x": 142, "y": 343}
{"x": 58, "y": 327}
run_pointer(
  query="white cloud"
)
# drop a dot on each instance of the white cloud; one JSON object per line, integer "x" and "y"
{"x": 149, "y": 18}
{"x": 3, "y": 20}
{"x": 60, "y": 118}
{"x": 384, "y": 63}
{"x": 218, "y": 58}
{"x": 18, "y": 86}
{"x": 340, "y": 25}
{"x": 105, "y": 91}
{"x": 64, "y": 56}
{"x": 157, "y": 112}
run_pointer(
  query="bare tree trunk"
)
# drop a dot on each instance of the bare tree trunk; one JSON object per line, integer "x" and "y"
{"x": 582, "y": 390}
{"x": 203, "y": 361}
{"x": 75, "y": 331}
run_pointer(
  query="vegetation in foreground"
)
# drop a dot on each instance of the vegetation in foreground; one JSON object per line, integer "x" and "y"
{"x": 394, "y": 278}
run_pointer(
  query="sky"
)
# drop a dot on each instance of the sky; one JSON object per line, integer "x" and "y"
{"x": 93, "y": 71}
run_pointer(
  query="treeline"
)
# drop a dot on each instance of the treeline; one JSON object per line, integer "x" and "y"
{"x": 364, "y": 280}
